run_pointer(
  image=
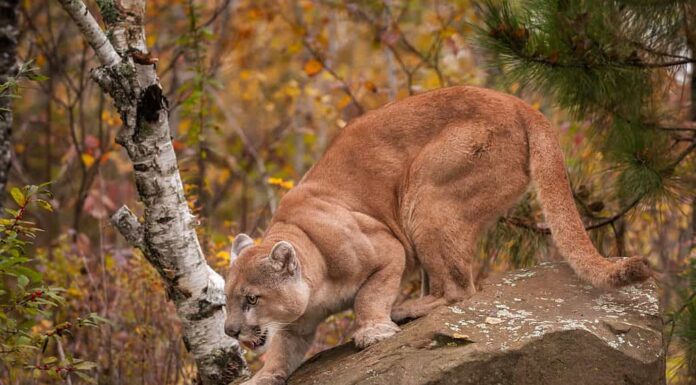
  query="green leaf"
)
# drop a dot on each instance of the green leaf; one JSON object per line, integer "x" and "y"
{"x": 22, "y": 280}
{"x": 85, "y": 365}
{"x": 36, "y": 77}
{"x": 85, "y": 377}
{"x": 50, "y": 360}
{"x": 18, "y": 196}
{"x": 44, "y": 205}
{"x": 33, "y": 275}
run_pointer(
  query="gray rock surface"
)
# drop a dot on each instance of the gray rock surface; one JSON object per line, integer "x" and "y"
{"x": 533, "y": 326}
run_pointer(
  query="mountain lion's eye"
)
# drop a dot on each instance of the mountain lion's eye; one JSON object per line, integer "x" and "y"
{"x": 252, "y": 299}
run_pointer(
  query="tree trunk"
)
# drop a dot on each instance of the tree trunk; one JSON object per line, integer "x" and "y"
{"x": 166, "y": 235}
{"x": 8, "y": 68}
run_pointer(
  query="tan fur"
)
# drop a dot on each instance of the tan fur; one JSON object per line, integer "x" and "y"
{"x": 413, "y": 184}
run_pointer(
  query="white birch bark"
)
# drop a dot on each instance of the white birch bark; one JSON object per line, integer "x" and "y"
{"x": 166, "y": 235}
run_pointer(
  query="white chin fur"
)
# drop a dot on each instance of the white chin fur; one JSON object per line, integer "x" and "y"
{"x": 270, "y": 332}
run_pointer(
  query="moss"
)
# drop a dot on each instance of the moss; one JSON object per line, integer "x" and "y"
{"x": 108, "y": 10}
{"x": 230, "y": 363}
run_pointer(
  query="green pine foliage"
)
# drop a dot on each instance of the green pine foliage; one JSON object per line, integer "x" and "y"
{"x": 589, "y": 55}
{"x": 600, "y": 59}
{"x": 608, "y": 62}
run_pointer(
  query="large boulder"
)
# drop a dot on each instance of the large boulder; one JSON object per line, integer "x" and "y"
{"x": 529, "y": 327}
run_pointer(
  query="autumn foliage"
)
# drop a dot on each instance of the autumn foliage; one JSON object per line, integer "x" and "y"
{"x": 256, "y": 91}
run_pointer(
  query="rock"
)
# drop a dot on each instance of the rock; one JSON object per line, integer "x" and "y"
{"x": 548, "y": 327}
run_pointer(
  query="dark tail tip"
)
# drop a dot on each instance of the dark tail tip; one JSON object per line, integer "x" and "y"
{"x": 630, "y": 270}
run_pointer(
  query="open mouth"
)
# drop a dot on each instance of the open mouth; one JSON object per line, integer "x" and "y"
{"x": 257, "y": 342}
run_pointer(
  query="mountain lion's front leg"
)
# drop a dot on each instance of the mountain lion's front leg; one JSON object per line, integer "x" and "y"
{"x": 374, "y": 300}
{"x": 285, "y": 354}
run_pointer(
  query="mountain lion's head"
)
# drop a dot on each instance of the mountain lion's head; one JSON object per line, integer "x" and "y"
{"x": 265, "y": 291}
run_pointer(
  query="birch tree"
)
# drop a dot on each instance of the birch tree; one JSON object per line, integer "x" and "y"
{"x": 166, "y": 235}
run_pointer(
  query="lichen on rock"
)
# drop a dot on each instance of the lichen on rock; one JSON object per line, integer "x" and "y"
{"x": 533, "y": 326}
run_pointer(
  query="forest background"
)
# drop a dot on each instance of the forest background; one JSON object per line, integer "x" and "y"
{"x": 256, "y": 91}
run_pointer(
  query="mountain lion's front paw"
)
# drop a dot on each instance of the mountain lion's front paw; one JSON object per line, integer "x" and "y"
{"x": 372, "y": 333}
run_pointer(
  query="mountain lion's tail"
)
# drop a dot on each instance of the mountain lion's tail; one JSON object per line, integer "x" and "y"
{"x": 549, "y": 174}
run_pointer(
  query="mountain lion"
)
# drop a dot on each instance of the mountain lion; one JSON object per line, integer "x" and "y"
{"x": 407, "y": 186}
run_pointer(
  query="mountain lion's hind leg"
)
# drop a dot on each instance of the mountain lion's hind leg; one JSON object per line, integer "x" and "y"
{"x": 374, "y": 300}
{"x": 446, "y": 252}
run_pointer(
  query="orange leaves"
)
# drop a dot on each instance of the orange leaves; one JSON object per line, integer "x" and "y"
{"x": 370, "y": 86}
{"x": 110, "y": 118}
{"x": 312, "y": 67}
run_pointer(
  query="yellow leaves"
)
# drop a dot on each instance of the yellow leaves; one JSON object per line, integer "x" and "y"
{"x": 536, "y": 106}
{"x": 223, "y": 259}
{"x": 431, "y": 80}
{"x": 280, "y": 182}
{"x": 74, "y": 292}
{"x": 87, "y": 159}
{"x": 292, "y": 89}
{"x": 312, "y": 67}
{"x": 294, "y": 48}
{"x": 448, "y": 32}
{"x": 151, "y": 39}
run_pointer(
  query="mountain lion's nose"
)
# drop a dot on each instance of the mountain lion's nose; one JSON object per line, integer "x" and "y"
{"x": 232, "y": 331}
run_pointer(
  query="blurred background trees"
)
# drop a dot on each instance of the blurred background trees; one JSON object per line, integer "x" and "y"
{"x": 258, "y": 88}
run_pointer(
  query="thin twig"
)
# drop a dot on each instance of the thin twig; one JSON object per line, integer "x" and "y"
{"x": 318, "y": 56}
{"x": 519, "y": 222}
{"x": 61, "y": 354}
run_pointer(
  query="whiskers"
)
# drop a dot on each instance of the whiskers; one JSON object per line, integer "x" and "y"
{"x": 274, "y": 327}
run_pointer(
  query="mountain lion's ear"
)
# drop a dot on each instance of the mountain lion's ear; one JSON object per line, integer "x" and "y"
{"x": 283, "y": 258}
{"x": 241, "y": 242}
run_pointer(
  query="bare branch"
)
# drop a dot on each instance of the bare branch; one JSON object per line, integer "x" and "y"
{"x": 91, "y": 31}
{"x": 127, "y": 224}
{"x": 318, "y": 56}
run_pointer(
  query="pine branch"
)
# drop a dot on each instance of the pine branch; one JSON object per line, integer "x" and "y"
{"x": 653, "y": 51}
{"x": 583, "y": 64}
{"x": 520, "y": 222}
{"x": 682, "y": 156}
{"x": 678, "y": 129}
